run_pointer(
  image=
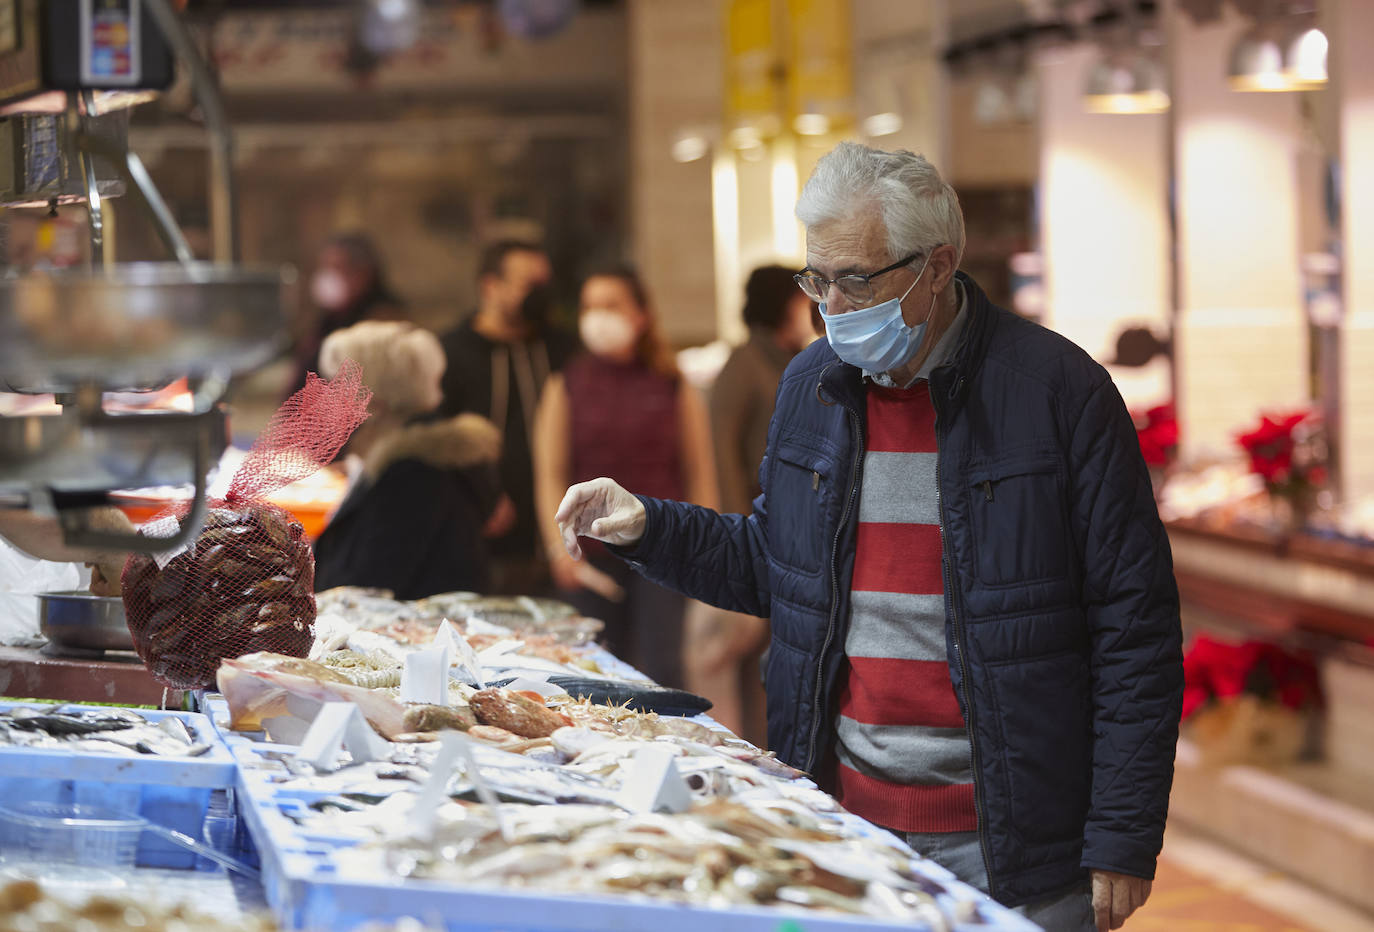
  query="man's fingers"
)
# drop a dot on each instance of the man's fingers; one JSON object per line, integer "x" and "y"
{"x": 575, "y": 496}
{"x": 1121, "y": 902}
{"x": 609, "y": 526}
{"x": 1102, "y": 902}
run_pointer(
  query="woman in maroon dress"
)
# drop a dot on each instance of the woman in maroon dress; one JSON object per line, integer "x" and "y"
{"x": 621, "y": 409}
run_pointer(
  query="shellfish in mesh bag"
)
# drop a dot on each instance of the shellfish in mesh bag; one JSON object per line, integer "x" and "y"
{"x": 246, "y": 583}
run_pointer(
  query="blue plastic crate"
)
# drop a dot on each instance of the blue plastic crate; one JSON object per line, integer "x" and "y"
{"x": 173, "y": 792}
{"x": 305, "y": 890}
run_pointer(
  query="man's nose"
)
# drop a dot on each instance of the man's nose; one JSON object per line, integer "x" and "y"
{"x": 835, "y": 301}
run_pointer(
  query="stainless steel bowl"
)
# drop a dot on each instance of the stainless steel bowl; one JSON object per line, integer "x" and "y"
{"x": 139, "y": 324}
{"x": 84, "y": 621}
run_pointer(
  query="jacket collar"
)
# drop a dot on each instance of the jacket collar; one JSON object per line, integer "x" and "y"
{"x": 450, "y": 443}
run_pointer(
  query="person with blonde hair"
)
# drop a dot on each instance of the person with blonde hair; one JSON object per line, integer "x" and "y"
{"x": 413, "y": 520}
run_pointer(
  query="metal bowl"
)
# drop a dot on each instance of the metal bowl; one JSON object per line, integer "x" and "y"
{"x": 85, "y": 621}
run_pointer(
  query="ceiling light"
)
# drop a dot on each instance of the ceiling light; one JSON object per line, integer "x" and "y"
{"x": 1257, "y": 63}
{"x": 811, "y": 124}
{"x": 882, "y": 124}
{"x": 1304, "y": 58}
{"x": 1127, "y": 81}
{"x": 745, "y": 136}
{"x": 689, "y": 147}
{"x": 991, "y": 103}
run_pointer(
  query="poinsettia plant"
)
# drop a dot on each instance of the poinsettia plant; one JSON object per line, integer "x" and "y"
{"x": 1215, "y": 670}
{"x": 1157, "y": 430}
{"x": 1288, "y": 450}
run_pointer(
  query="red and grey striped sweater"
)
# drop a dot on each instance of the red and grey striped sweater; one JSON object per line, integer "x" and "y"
{"x": 904, "y": 756}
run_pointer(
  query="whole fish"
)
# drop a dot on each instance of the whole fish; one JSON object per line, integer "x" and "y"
{"x": 107, "y": 731}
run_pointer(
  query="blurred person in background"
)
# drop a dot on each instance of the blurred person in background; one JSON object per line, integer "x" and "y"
{"x": 723, "y": 648}
{"x": 975, "y": 626}
{"x": 779, "y": 318}
{"x": 622, "y": 409}
{"x": 413, "y": 520}
{"x": 348, "y": 286}
{"x": 498, "y": 362}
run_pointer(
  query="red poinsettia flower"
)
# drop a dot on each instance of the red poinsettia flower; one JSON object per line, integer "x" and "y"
{"x": 1161, "y": 414}
{"x": 1157, "y": 430}
{"x": 1217, "y": 669}
{"x": 1271, "y": 446}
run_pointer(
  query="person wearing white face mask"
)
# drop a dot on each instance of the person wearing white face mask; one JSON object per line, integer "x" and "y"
{"x": 975, "y": 626}
{"x": 622, "y": 409}
{"x": 347, "y": 287}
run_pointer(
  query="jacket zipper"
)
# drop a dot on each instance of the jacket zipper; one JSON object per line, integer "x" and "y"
{"x": 978, "y": 803}
{"x": 817, "y": 711}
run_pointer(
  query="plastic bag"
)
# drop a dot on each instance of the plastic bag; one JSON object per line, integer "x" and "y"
{"x": 22, "y": 577}
{"x": 247, "y": 582}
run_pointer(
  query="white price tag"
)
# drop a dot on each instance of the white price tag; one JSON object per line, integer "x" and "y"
{"x": 453, "y": 747}
{"x": 462, "y": 651}
{"x": 652, "y": 783}
{"x": 424, "y": 678}
{"x": 340, "y": 726}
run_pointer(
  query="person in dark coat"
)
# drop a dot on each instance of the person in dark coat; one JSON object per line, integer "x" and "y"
{"x": 975, "y": 627}
{"x": 498, "y": 362}
{"x": 412, "y": 521}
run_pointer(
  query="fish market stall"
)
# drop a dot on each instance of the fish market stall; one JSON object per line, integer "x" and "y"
{"x": 473, "y": 763}
{"x": 528, "y": 805}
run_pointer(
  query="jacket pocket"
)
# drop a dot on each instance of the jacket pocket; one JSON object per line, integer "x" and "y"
{"x": 1020, "y": 534}
{"x": 802, "y": 497}
{"x": 1044, "y": 722}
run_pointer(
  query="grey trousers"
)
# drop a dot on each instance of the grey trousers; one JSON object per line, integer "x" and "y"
{"x": 960, "y": 853}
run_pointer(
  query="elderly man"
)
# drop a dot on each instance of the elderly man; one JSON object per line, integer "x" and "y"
{"x": 976, "y": 640}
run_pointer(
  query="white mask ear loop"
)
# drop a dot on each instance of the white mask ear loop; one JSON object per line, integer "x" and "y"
{"x": 933, "y": 297}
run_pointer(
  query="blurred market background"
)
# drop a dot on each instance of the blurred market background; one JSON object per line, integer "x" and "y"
{"x": 1185, "y": 188}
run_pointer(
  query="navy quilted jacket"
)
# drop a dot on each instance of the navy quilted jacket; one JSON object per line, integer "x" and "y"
{"x": 1060, "y": 605}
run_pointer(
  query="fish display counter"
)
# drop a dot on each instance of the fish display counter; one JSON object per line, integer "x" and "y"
{"x": 546, "y": 786}
{"x": 464, "y": 763}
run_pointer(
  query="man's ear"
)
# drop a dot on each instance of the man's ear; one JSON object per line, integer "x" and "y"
{"x": 943, "y": 264}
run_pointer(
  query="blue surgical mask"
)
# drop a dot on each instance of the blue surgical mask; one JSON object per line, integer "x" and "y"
{"x": 876, "y": 339}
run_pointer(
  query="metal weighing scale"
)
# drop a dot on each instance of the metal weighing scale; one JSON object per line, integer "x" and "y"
{"x": 69, "y": 71}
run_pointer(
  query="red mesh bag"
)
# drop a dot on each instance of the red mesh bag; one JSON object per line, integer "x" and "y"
{"x": 247, "y": 581}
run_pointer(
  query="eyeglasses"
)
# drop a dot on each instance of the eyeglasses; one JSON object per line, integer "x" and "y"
{"x": 856, "y": 289}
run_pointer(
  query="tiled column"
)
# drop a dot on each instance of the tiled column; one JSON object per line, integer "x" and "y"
{"x": 1353, "y": 79}
{"x": 1104, "y": 221}
{"x": 1242, "y": 340}
{"x": 675, "y": 83}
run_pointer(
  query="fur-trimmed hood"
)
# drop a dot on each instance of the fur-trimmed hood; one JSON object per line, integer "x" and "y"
{"x": 454, "y": 443}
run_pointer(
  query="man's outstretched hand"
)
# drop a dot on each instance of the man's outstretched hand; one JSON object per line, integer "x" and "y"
{"x": 599, "y": 509}
{"x": 1115, "y": 897}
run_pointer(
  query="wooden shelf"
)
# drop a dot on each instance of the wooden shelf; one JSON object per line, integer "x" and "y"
{"x": 1281, "y": 586}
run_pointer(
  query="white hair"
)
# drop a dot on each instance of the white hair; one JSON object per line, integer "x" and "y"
{"x": 919, "y": 209}
{"x": 401, "y": 363}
